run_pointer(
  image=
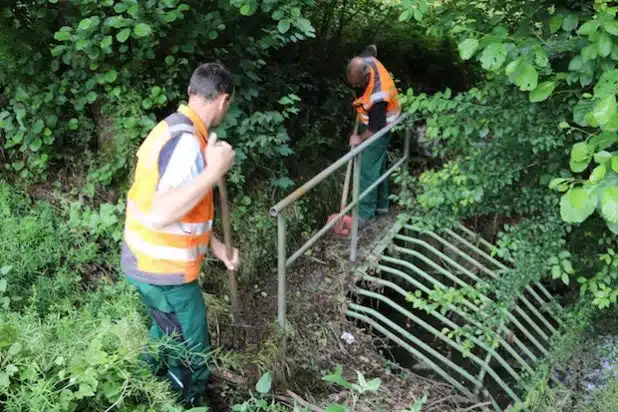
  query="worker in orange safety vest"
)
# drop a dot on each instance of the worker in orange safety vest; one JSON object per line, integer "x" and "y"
{"x": 377, "y": 105}
{"x": 168, "y": 226}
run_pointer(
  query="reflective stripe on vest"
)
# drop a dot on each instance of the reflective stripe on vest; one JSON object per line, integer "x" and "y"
{"x": 177, "y": 249}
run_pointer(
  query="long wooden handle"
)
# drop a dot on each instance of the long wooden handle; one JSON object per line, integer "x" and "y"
{"x": 227, "y": 240}
{"x": 348, "y": 173}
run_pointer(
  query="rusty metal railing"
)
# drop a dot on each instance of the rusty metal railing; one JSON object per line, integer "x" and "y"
{"x": 276, "y": 211}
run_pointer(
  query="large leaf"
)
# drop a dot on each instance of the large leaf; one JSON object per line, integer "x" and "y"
{"x": 542, "y": 91}
{"x": 576, "y": 63}
{"x": 577, "y": 205}
{"x": 555, "y": 22}
{"x": 526, "y": 77}
{"x": 598, "y": 173}
{"x": 588, "y": 28}
{"x": 467, "y": 48}
{"x": 611, "y": 27}
{"x": 142, "y": 30}
{"x": 607, "y": 84}
{"x": 123, "y": 35}
{"x": 609, "y": 204}
{"x": 590, "y": 52}
{"x": 580, "y": 110}
{"x": 493, "y": 56}
{"x": 605, "y": 109}
{"x": 580, "y": 152}
{"x": 264, "y": 384}
{"x": 570, "y": 22}
{"x": 612, "y": 124}
{"x": 284, "y": 26}
{"x": 604, "y": 45}
{"x": 333, "y": 407}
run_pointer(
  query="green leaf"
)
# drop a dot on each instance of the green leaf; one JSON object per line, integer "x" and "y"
{"x": 62, "y": 35}
{"x": 598, "y": 173}
{"x": 14, "y": 349}
{"x": 467, "y": 48}
{"x": 602, "y": 157}
{"x": 106, "y": 42}
{"x": 38, "y": 126}
{"x": 554, "y": 23}
{"x": 142, "y": 30}
{"x": 589, "y": 52}
{"x": 576, "y": 63}
{"x": 123, "y": 35}
{"x": 3, "y": 285}
{"x": 284, "y": 26}
{"x": 542, "y": 91}
{"x": 493, "y": 56}
{"x": 611, "y": 27}
{"x": 35, "y": 145}
{"x": 84, "y": 25}
{"x": 607, "y": 84}
{"x": 111, "y": 76}
{"x": 73, "y": 124}
{"x": 615, "y": 164}
{"x": 604, "y": 45}
{"x": 565, "y": 278}
{"x": 612, "y": 124}
{"x": 603, "y": 140}
{"x": 526, "y": 77}
{"x": 577, "y": 205}
{"x": 295, "y": 12}
{"x": 578, "y": 167}
{"x": 563, "y": 125}
{"x": 609, "y": 204}
{"x": 245, "y": 10}
{"x": 91, "y": 97}
{"x": 333, "y": 407}
{"x": 264, "y": 384}
{"x": 605, "y": 109}
{"x": 121, "y": 7}
{"x": 540, "y": 57}
{"x": 588, "y": 28}
{"x": 580, "y": 152}
{"x": 374, "y": 384}
{"x": 570, "y": 22}
{"x": 556, "y": 272}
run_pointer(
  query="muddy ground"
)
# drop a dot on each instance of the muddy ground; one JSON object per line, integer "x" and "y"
{"x": 318, "y": 287}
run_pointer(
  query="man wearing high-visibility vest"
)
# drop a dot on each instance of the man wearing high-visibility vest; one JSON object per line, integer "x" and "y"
{"x": 377, "y": 105}
{"x": 168, "y": 227}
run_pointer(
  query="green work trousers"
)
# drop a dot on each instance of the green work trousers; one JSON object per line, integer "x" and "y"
{"x": 178, "y": 312}
{"x": 373, "y": 165}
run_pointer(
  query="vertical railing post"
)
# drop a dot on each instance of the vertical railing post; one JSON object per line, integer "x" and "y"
{"x": 282, "y": 257}
{"x": 406, "y": 144}
{"x": 355, "y": 211}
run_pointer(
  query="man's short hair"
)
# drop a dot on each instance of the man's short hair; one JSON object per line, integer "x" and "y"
{"x": 210, "y": 80}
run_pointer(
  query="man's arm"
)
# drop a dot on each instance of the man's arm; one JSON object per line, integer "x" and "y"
{"x": 171, "y": 205}
{"x": 183, "y": 184}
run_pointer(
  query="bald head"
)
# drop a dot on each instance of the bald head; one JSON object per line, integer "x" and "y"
{"x": 357, "y": 73}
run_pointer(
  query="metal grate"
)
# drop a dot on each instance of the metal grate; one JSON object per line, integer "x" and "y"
{"x": 407, "y": 261}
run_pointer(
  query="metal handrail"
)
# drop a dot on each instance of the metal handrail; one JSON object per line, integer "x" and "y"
{"x": 276, "y": 210}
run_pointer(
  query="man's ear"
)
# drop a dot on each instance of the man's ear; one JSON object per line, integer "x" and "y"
{"x": 222, "y": 100}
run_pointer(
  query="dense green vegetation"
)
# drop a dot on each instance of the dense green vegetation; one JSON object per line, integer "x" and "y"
{"x": 518, "y": 99}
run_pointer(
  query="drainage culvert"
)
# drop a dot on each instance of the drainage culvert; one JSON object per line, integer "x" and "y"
{"x": 409, "y": 264}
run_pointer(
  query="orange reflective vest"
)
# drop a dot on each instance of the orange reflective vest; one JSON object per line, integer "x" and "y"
{"x": 171, "y": 255}
{"x": 381, "y": 88}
